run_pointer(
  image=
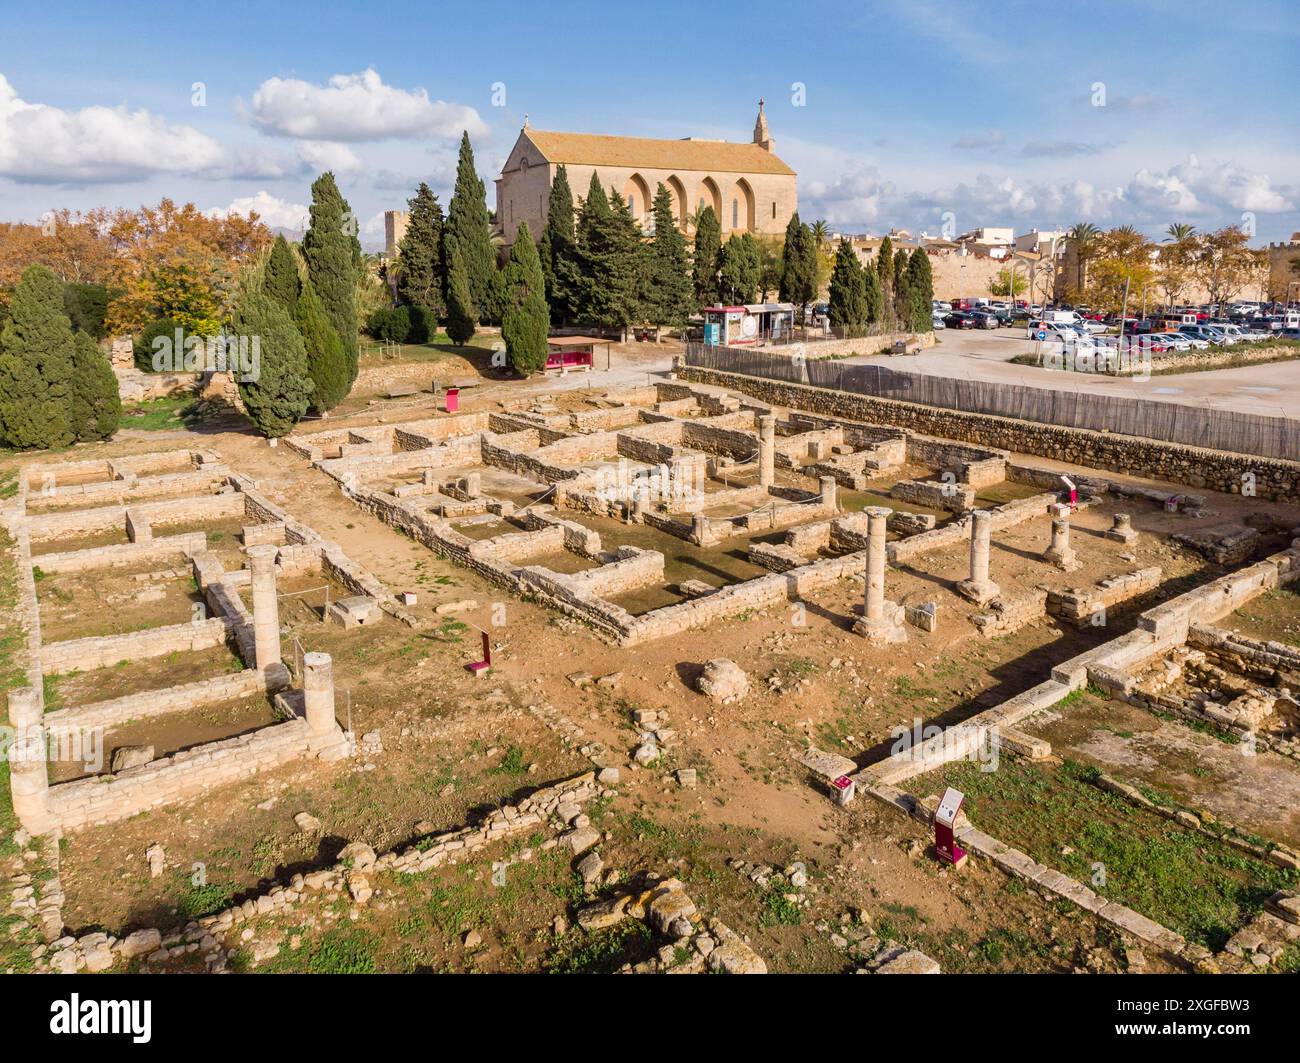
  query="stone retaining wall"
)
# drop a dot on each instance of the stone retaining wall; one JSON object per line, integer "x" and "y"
{"x": 1274, "y": 478}
{"x": 179, "y": 777}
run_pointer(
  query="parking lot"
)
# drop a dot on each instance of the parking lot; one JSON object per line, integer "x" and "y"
{"x": 1272, "y": 388}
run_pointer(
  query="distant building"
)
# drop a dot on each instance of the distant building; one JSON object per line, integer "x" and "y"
{"x": 994, "y": 242}
{"x": 748, "y": 186}
{"x": 1038, "y": 241}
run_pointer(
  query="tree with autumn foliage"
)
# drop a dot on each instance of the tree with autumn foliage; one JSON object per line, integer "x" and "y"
{"x": 178, "y": 262}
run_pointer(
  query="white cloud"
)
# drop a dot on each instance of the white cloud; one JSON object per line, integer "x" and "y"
{"x": 44, "y": 144}
{"x": 355, "y": 107}
{"x": 40, "y": 144}
{"x": 328, "y": 155}
{"x": 271, "y": 210}
{"x": 853, "y": 197}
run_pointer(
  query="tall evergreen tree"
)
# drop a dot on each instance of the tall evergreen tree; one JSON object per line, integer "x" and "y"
{"x": 525, "y": 319}
{"x": 327, "y": 246}
{"x": 94, "y": 406}
{"x": 848, "y": 307}
{"x": 612, "y": 257}
{"x": 280, "y": 392}
{"x": 885, "y": 275}
{"x": 900, "y": 285}
{"x": 419, "y": 264}
{"x": 799, "y": 265}
{"x": 470, "y": 232}
{"x": 281, "y": 281}
{"x": 36, "y": 365}
{"x": 462, "y": 315}
{"x": 738, "y": 269}
{"x": 558, "y": 249}
{"x": 875, "y": 301}
{"x": 669, "y": 293}
{"x": 920, "y": 292}
{"x": 327, "y": 365}
{"x": 708, "y": 247}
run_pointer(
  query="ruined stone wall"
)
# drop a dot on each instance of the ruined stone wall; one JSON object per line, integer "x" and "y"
{"x": 1274, "y": 478}
{"x": 99, "y": 651}
{"x": 116, "y": 711}
{"x": 167, "y": 780}
{"x": 124, "y": 554}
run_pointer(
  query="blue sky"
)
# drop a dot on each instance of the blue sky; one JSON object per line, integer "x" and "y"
{"x": 910, "y": 110}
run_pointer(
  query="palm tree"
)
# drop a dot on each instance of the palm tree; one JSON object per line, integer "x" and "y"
{"x": 1180, "y": 231}
{"x": 821, "y": 233}
{"x": 1084, "y": 236}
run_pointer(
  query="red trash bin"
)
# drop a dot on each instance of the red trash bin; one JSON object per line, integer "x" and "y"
{"x": 452, "y": 401}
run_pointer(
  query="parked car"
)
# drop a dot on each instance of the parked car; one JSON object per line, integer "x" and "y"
{"x": 959, "y": 319}
{"x": 1205, "y": 332}
{"x": 1174, "y": 340}
{"x": 936, "y": 321}
{"x": 984, "y": 319}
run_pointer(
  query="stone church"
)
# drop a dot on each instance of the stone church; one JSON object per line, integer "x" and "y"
{"x": 747, "y": 185}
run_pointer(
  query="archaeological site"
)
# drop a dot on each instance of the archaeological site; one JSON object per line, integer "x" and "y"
{"x": 672, "y": 676}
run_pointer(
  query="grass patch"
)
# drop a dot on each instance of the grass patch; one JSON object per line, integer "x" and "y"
{"x": 1202, "y": 888}
{"x": 602, "y": 952}
{"x": 162, "y": 414}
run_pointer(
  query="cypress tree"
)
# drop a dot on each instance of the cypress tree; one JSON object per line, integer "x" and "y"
{"x": 738, "y": 269}
{"x": 327, "y": 365}
{"x": 419, "y": 277}
{"x": 469, "y": 230}
{"x": 799, "y": 265}
{"x": 558, "y": 248}
{"x": 900, "y": 285}
{"x": 281, "y": 390}
{"x": 669, "y": 293}
{"x": 281, "y": 280}
{"x": 462, "y": 316}
{"x": 612, "y": 257}
{"x": 920, "y": 292}
{"x": 875, "y": 302}
{"x": 331, "y": 268}
{"x": 848, "y": 307}
{"x": 36, "y": 365}
{"x": 885, "y": 267}
{"x": 525, "y": 320}
{"x": 708, "y": 248}
{"x": 95, "y": 406}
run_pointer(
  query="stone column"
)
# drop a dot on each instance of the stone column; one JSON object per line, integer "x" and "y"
{"x": 699, "y": 529}
{"x": 266, "y": 607}
{"x": 1059, "y": 552}
{"x": 978, "y": 587}
{"x": 326, "y": 737}
{"x": 29, "y": 779}
{"x": 766, "y": 450}
{"x": 828, "y": 493}
{"x": 1121, "y": 529}
{"x": 879, "y": 622}
{"x": 318, "y": 693}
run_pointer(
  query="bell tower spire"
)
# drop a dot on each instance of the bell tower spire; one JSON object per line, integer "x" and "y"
{"x": 761, "y": 135}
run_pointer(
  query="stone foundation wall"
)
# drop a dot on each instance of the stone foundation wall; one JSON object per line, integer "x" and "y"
{"x": 1274, "y": 478}
{"x": 182, "y": 776}
{"x": 125, "y": 554}
{"x": 102, "y": 650}
{"x": 151, "y": 703}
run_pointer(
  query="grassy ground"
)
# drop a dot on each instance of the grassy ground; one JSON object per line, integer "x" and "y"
{"x": 1202, "y": 888}
{"x": 169, "y": 412}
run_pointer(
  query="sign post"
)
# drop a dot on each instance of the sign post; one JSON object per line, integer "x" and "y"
{"x": 946, "y": 849}
{"x": 479, "y": 668}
